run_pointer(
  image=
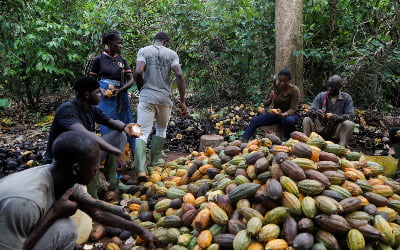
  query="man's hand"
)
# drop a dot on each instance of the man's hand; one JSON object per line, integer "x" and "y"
{"x": 335, "y": 117}
{"x": 122, "y": 162}
{"x": 61, "y": 208}
{"x": 64, "y": 207}
{"x": 272, "y": 95}
{"x": 183, "y": 107}
{"x": 340, "y": 118}
{"x": 276, "y": 112}
{"x": 117, "y": 92}
{"x": 317, "y": 113}
{"x": 133, "y": 129}
{"x": 331, "y": 116}
{"x": 150, "y": 240}
{"x": 284, "y": 114}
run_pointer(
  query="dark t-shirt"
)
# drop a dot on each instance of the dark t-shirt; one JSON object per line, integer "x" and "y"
{"x": 392, "y": 135}
{"x": 108, "y": 67}
{"x": 68, "y": 114}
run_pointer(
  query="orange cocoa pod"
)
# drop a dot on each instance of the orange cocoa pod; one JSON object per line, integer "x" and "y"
{"x": 189, "y": 198}
{"x": 203, "y": 169}
{"x": 209, "y": 151}
{"x": 202, "y": 220}
{"x": 134, "y": 207}
{"x": 204, "y": 239}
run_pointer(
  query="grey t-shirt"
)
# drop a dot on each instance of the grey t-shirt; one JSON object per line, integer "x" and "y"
{"x": 159, "y": 61}
{"x": 25, "y": 197}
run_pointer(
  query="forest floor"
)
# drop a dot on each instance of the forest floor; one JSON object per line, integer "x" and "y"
{"x": 23, "y": 136}
{"x": 22, "y": 132}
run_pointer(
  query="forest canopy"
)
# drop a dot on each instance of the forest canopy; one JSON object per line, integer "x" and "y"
{"x": 226, "y": 47}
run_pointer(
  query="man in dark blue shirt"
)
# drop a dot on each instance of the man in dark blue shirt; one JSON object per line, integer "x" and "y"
{"x": 81, "y": 114}
{"x": 331, "y": 113}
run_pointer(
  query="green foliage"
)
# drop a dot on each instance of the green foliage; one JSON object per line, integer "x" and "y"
{"x": 226, "y": 47}
{"x": 350, "y": 40}
{"x": 41, "y": 50}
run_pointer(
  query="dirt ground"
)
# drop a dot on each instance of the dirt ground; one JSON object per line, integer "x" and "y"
{"x": 23, "y": 142}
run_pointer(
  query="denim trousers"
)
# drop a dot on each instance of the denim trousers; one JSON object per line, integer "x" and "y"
{"x": 109, "y": 106}
{"x": 288, "y": 124}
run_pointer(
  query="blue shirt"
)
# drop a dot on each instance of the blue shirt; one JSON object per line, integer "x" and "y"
{"x": 343, "y": 105}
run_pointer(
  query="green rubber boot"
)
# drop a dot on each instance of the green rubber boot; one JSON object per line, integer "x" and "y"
{"x": 157, "y": 145}
{"x": 93, "y": 186}
{"x": 140, "y": 160}
{"x": 130, "y": 189}
{"x": 110, "y": 172}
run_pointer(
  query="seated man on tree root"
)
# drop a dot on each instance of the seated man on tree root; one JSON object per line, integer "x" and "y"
{"x": 331, "y": 113}
{"x": 36, "y": 203}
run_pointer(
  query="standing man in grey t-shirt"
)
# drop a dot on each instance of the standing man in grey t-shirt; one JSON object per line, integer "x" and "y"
{"x": 153, "y": 68}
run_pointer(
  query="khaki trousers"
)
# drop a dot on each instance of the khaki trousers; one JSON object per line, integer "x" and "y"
{"x": 343, "y": 132}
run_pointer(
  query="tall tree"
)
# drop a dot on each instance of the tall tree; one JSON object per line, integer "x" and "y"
{"x": 289, "y": 39}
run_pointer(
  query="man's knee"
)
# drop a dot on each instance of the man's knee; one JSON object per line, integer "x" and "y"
{"x": 308, "y": 126}
{"x": 256, "y": 120}
{"x": 290, "y": 120}
{"x": 116, "y": 138}
{"x": 61, "y": 235}
{"x": 348, "y": 125}
{"x": 307, "y": 120}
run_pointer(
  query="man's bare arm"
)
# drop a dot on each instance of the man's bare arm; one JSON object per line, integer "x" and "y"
{"x": 181, "y": 87}
{"x": 103, "y": 145}
{"x": 61, "y": 208}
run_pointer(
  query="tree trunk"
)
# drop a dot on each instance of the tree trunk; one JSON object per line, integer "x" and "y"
{"x": 289, "y": 38}
{"x": 395, "y": 34}
{"x": 332, "y": 28}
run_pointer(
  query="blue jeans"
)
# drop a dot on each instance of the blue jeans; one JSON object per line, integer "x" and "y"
{"x": 288, "y": 124}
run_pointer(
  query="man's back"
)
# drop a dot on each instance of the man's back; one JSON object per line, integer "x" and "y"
{"x": 68, "y": 114}
{"x": 159, "y": 61}
{"x": 24, "y": 198}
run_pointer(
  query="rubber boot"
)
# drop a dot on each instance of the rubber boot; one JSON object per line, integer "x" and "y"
{"x": 157, "y": 145}
{"x": 130, "y": 189}
{"x": 93, "y": 186}
{"x": 140, "y": 160}
{"x": 110, "y": 172}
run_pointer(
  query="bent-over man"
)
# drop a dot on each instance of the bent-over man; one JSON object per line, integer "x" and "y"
{"x": 35, "y": 204}
{"x": 82, "y": 114}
